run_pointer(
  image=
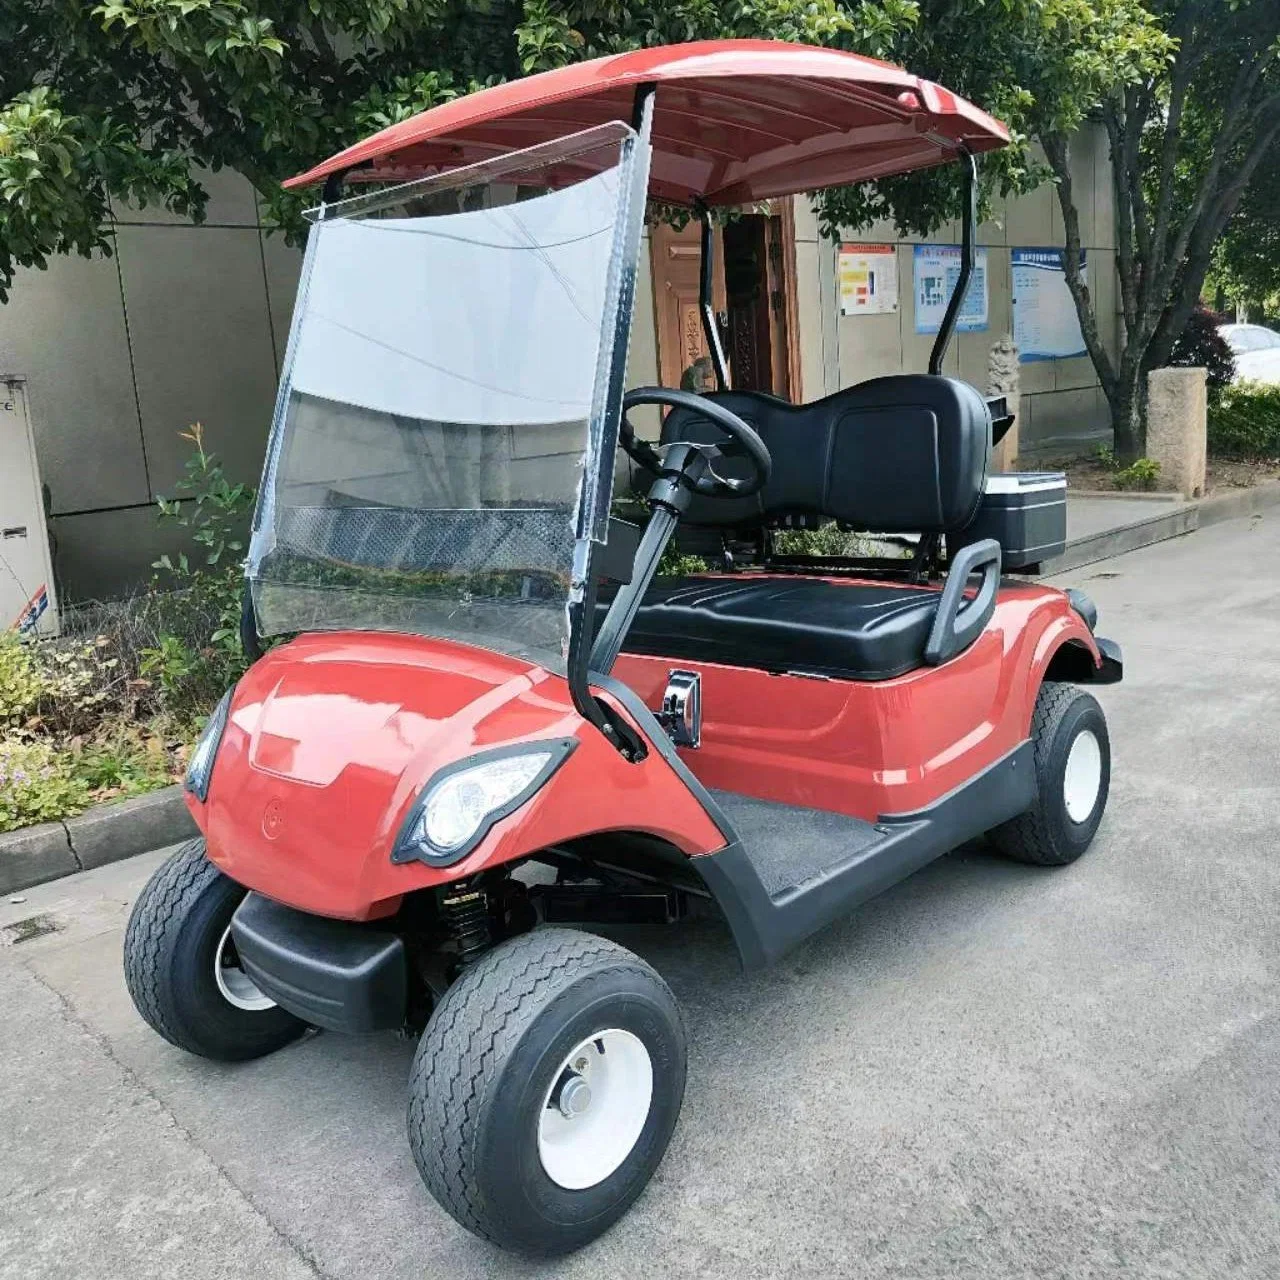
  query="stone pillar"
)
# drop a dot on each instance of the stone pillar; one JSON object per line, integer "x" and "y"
{"x": 1177, "y": 425}
{"x": 1004, "y": 379}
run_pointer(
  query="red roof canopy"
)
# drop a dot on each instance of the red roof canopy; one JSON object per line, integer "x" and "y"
{"x": 735, "y": 121}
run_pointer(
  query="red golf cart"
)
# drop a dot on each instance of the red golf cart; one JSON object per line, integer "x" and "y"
{"x": 495, "y": 719}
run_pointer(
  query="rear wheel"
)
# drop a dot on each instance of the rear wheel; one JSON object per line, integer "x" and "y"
{"x": 181, "y": 967}
{"x": 545, "y": 1090}
{"x": 1073, "y": 777}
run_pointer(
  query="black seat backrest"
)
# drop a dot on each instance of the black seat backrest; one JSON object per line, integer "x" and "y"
{"x": 900, "y": 454}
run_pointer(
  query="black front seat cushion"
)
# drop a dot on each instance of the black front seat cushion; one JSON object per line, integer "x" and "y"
{"x": 850, "y": 631}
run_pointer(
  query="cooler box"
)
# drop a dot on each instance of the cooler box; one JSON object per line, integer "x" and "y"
{"x": 1026, "y": 513}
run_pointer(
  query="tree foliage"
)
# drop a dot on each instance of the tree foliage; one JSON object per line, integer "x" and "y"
{"x": 128, "y": 100}
{"x": 1246, "y": 260}
{"x": 1187, "y": 139}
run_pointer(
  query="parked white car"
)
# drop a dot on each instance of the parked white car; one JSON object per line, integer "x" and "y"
{"x": 1257, "y": 352}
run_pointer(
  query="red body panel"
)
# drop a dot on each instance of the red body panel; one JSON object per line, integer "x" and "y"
{"x": 331, "y": 737}
{"x": 734, "y": 121}
{"x": 869, "y": 748}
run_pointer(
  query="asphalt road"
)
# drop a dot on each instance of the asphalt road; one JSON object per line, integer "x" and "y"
{"x": 991, "y": 1071}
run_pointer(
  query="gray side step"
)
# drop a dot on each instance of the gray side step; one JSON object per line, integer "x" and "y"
{"x": 789, "y": 846}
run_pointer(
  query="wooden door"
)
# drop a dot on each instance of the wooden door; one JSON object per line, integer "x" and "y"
{"x": 683, "y": 354}
{"x": 753, "y": 295}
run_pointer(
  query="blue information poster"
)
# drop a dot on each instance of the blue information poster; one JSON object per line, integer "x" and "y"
{"x": 1046, "y": 325}
{"x": 936, "y": 270}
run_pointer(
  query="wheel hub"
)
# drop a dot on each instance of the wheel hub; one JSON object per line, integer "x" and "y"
{"x": 1082, "y": 778}
{"x": 236, "y": 986}
{"x": 575, "y": 1097}
{"x": 595, "y": 1109}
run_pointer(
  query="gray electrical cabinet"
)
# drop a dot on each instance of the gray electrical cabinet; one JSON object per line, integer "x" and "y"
{"x": 28, "y": 602}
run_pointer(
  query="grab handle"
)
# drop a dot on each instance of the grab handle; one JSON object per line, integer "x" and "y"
{"x": 959, "y": 622}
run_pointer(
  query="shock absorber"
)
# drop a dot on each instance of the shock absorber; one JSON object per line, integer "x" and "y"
{"x": 464, "y": 912}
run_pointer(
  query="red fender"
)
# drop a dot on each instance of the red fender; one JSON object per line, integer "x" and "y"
{"x": 331, "y": 738}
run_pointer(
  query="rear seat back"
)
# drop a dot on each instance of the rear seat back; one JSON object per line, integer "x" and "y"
{"x": 901, "y": 454}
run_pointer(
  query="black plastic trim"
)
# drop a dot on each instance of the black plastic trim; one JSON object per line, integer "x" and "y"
{"x": 1084, "y": 606}
{"x": 1073, "y": 663}
{"x": 330, "y": 973}
{"x": 959, "y": 621}
{"x": 408, "y": 850}
{"x": 767, "y": 927}
{"x": 250, "y": 641}
{"x": 1112, "y": 669}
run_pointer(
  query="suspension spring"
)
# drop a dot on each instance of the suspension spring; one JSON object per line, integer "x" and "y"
{"x": 465, "y": 915}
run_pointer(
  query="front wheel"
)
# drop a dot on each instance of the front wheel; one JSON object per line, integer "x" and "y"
{"x": 181, "y": 967}
{"x": 1073, "y": 776}
{"x": 545, "y": 1090}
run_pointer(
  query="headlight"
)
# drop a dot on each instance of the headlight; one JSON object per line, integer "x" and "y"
{"x": 200, "y": 766}
{"x": 459, "y": 805}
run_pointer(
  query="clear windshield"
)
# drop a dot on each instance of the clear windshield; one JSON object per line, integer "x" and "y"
{"x": 442, "y": 407}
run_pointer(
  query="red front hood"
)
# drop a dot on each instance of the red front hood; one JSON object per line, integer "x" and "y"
{"x": 326, "y": 704}
{"x": 330, "y": 738}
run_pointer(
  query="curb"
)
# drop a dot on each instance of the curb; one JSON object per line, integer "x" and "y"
{"x": 1186, "y": 518}
{"x": 105, "y": 833}
{"x": 1239, "y": 502}
{"x": 1127, "y": 537}
{"x": 1126, "y": 495}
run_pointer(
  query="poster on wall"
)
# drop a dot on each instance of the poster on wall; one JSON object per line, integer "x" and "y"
{"x": 868, "y": 275}
{"x": 1045, "y": 323}
{"x": 936, "y": 270}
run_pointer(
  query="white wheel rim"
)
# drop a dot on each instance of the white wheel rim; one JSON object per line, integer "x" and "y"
{"x": 236, "y": 986}
{"x": 1083, "y": 777}
{"x": 595, "y": 1110}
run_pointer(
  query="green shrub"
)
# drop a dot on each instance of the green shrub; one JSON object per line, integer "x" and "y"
{"x": 123, "y": 762}
{"x": 1141, "y": 474}
{"x": 55, "y": 688}
{"x": 194, "y": 671}
{"x": 1245, "y": 422}
{"x": 38, "y": 783}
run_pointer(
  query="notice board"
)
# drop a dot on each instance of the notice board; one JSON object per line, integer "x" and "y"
{"x": 1046, "y": 325}
{"x": 936, "y": 269}
{"x": 868, "y": 276}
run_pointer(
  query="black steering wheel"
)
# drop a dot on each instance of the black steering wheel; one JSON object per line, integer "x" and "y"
{"x": 701, "y": 478}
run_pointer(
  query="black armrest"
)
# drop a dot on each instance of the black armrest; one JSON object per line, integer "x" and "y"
{"x": 959, "y": 621}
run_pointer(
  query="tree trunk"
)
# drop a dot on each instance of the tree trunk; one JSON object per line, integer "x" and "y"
{"x": 1127, "y": 400}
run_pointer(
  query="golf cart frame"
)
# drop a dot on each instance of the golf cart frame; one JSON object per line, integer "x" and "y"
{"x": 782, "y": 739}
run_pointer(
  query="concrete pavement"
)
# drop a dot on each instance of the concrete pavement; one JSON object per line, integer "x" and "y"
{"x": 992, "y": 1071}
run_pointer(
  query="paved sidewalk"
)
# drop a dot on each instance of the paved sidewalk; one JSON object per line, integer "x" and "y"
{"x": 1087, "y": 515}
{"x": 993, "y": 1071}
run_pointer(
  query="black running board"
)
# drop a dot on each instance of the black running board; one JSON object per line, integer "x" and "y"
{"x": 767, "y": 925}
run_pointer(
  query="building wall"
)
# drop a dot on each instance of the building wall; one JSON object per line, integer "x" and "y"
{"x": 187, "y": 324}
{"x": 182, "y": 324}
{"x": 1062, "y": 405}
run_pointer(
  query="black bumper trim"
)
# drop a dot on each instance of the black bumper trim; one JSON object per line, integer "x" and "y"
{"x": 330, "y": 973}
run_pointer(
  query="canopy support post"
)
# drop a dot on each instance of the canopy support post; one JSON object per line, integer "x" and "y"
{"x": 706, "y": 282}
{"x": 969, "y": 235}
